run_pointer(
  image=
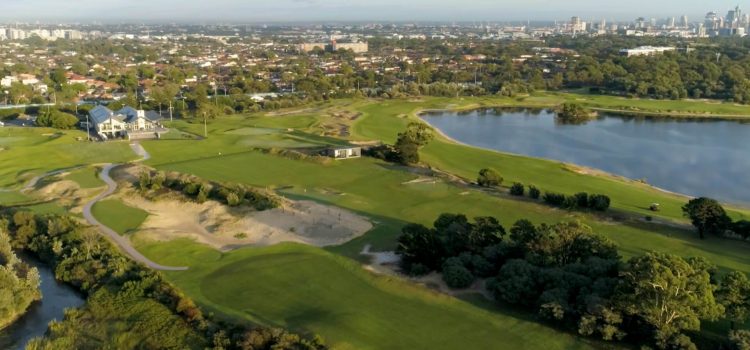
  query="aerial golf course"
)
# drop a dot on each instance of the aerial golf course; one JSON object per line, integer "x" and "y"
{"x": 326, "y": 290}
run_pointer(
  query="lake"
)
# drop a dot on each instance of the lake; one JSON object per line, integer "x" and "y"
{"x": 56, "y": 297}
{"x": 690, "y": 156}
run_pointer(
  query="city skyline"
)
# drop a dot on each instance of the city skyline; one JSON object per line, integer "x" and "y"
{"x": 87, "y": 11}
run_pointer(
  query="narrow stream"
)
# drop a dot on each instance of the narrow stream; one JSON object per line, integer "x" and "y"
{"x": 56, "y": 297}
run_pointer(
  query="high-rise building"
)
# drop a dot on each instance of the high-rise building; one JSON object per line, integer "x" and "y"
{"x": 576, "y": 24}
{"x": 670, "y": 22}
{"x": 684, "y": 21}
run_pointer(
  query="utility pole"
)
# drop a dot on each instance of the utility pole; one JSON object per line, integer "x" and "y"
{"x": 170, "y": 111}
{"x": 205, "y": 126}
{"x": 216, "y": 94}
{"x": 88, "y": 126}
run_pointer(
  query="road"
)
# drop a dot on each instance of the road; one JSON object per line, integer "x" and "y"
{"x": 121, "y": 241}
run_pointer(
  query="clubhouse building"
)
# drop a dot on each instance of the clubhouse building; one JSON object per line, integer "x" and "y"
{"x": 128, "y": 123}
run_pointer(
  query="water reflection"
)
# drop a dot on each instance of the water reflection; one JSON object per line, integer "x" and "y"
{"x": 699, "y": 157}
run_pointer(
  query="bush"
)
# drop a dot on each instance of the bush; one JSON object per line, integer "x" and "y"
{"x": 233, "y": 200}
{"x": 582, "y": 200}
{"x": 517, "y": 189}
{"x": 534, "y": 192}
{"x": 456, "y": 275}
{"x": 555, "y": 199}
{"x": 489, "y": 178}
{"x": 742, "y": 228}
{"x": 599, "y": 202}
{"x": 740, "y": 339}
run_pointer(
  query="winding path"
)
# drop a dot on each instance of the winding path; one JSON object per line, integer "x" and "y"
{"x": 122, "y": 242}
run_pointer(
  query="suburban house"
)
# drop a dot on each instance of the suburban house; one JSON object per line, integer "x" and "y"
{"x": 344, "y": 152}
{"x": 127, "y": 123}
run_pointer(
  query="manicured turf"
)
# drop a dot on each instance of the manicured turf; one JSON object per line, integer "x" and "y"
{"x": 309, "y": 290}
{"x": 118, "y": 216}
{"x": 32, "y": 151}
{"x": 385, "y": 120}
{"x": 86, "y": 178}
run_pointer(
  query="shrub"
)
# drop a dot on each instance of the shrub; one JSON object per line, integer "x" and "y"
{"x": 489, "y": 178}
{"x": 456, "y": 275}
{"x": 555, "y": 199}
{"x": 582, "y": 199}
{"x": 570, "y": 203}
{"x": 599, "y": 202}
{"x": 517, "y": 189}
{"x": 233, "y": 200}
{"x": 534, "y": 192}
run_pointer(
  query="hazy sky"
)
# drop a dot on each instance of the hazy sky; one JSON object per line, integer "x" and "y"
{"x": 355, "y": 10}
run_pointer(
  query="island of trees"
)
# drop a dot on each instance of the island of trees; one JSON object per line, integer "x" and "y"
{"x": 19, "y": 283}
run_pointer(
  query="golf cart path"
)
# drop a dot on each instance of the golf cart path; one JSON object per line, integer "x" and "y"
{"x": 122, "y": 242}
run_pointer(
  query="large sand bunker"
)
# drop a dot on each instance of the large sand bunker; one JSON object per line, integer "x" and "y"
{"x": 226, "y": 228}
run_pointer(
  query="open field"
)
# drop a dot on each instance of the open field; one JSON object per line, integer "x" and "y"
{"x": 352, "y": 308}
{"x": 118, "y": 216}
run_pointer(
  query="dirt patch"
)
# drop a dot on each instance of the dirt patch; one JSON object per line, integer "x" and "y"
{"x": 227, "y": 228}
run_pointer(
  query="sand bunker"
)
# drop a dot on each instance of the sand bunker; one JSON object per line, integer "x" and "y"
{"x": 227, "y": 228}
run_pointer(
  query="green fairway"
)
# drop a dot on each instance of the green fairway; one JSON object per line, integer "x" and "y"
{"x": 85, "y": 177}
{"x": 118, "y": 216}
{"x": 350, "y": 307}
{"x": 27, "y": 152}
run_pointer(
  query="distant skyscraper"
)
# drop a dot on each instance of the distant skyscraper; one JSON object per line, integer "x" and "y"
{"x": 670, "y": 22}
{"x": 684, "y": 22}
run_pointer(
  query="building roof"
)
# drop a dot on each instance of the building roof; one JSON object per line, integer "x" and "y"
{"x": 127, "y": 114}
{"x": 100, "y": 114}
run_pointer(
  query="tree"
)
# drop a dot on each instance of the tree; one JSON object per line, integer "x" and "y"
{"x": 455, "y": 274}
{"x": 669, "y": 293}
{"x": 517, "y": 283}
{"x": 408, "y": 143}
{"x": 418, "y": 247}
{"x": 707, "y": 215}
{"x": 734, "y": 294}
{"x": 489, "y": 178}
{"x": 598, "y": 202}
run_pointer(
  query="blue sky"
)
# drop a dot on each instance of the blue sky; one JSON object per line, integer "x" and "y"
{"x": 359, "y": 10}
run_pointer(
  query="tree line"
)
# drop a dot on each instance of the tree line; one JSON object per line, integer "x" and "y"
{"x": 19, "y": 283}
{"x": 573, "y": 277}
{"x": 128, "y": 305}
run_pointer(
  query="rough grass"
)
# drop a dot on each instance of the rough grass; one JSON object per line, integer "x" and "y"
{"x": 118, "y": 216}
{"x": 350, "y": 307}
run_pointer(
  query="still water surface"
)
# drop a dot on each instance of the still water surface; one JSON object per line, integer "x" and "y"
{"x": 694, "y": 157}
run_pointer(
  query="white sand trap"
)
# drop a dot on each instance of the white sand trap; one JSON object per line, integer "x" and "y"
{"x": 228, "y": 228}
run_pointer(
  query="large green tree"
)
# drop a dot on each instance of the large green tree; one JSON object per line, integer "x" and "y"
{"x": 734, "y": 294}
{"x": 707, "y": 215}
{"x": 669, "y": 293}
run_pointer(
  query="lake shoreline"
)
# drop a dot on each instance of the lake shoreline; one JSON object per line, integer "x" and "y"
{"x": 581, "y": 169}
